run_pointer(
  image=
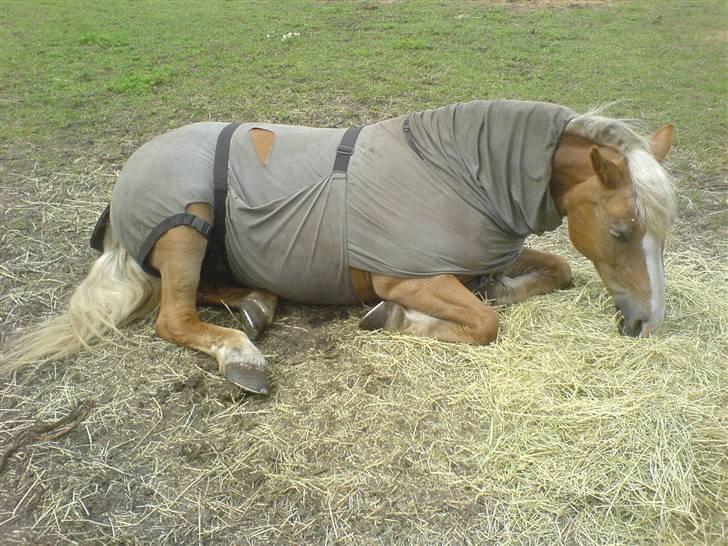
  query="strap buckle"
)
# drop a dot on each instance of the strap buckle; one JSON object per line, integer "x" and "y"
{"x": 346, "y": 149}
{"x": 201, "y": 226}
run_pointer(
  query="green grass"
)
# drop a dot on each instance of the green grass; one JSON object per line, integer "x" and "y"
{"x": 143, "y": 82}
{"x": 90, "y": 65}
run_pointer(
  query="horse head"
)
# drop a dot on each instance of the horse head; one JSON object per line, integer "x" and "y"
{"x": 619, "y": 205}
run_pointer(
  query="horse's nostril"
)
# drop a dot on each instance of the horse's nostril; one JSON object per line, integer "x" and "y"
{"x": 627, "y": 322}
{"x": 628, "y": 329}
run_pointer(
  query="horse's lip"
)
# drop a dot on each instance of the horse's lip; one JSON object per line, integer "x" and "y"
{"x": 649, "y": 328}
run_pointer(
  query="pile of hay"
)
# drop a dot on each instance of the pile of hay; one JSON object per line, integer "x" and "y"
{"x": 565, "y": 431}
{"x": 561, "y": 432}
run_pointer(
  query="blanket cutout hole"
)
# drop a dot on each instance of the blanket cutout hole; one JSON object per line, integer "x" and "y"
{"x": 263, "y": 141}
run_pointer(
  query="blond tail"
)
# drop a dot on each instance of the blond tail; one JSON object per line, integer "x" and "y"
{"x": 115, "y": 292}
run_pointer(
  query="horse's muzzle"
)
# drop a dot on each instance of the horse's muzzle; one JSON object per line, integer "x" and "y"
{"x": 634, "y": 320}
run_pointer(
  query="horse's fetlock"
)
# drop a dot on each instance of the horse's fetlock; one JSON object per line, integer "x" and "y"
{"x": 173, "y": 328}
{"x": 161, "y": 326}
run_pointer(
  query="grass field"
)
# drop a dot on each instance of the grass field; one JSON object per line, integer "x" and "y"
{"x": 367, "y": 438}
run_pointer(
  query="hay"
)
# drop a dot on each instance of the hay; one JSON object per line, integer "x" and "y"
{"x": 575, "y": 433}
{"x": 562, "y": 432}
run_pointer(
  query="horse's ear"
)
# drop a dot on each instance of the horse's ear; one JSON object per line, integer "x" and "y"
{"x": 661, "y": 142}
{"x": 605, "y": 170}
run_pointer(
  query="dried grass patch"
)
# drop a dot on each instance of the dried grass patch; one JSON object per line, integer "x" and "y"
{"x": 561, "y": 432}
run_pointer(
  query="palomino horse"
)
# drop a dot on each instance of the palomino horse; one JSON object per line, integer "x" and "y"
{"x": 413, "y": 211}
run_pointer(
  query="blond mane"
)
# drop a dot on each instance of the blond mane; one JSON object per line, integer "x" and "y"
{"x": 653, "y": 187}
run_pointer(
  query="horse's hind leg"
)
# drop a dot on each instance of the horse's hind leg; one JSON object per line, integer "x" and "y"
{"x": 533, "y": 273}
{"x": 257, "y": 306}
{"x": 178, "y": 256}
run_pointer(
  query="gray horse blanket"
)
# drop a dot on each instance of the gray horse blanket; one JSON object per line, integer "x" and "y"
{"x": 451, "y": 190}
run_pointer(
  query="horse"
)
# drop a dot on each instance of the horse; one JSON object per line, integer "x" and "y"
{"x": 423, "y": 216}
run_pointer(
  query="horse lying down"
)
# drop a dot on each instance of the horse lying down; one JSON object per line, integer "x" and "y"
{"x": 403, "y": 212}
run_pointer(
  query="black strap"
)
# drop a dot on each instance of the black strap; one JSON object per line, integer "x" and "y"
{"x": 97, "y": 236}
{"x": 346, "y": 149}
{"x": 182, "y": 219}
{"x": 220, "y": 189}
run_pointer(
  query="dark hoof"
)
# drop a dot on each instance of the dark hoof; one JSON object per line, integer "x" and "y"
{"x": 250, "y": 379}
{"x": 253, "y": 318}
{"x": 494, "y": 291}
{"x": 377, "y": 318}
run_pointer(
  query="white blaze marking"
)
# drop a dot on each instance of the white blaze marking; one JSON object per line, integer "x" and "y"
{"x": 656, "y": 271}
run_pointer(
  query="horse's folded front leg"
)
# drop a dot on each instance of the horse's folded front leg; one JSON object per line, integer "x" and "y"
{"x": 533, "y": 273}
{"x": 439, "y": 307}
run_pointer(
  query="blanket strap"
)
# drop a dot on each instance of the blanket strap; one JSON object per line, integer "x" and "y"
{"x": 220, "y": 190}
{"x": 181, "y": 219}
{"x": 346, "y": 149}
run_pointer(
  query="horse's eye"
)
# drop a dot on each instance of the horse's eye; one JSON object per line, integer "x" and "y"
{"x": 620, "y": 232}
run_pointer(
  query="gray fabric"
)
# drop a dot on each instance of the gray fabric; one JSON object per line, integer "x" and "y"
{"x": 481, "y": 187}
{"x": 160, "y": 179}
{"x": 296, "y": 228}
{"x": 286, "y": 221}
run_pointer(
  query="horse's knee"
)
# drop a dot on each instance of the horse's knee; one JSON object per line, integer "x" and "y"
{"x": 485, "y": 328}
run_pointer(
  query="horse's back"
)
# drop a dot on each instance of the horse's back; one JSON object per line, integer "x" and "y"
{"x": 294, "y": 158}
{"x": 286, "y": 224}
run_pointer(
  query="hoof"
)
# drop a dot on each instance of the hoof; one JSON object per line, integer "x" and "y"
{"x": 254, "y": 317}
{"x": 379, "y": 316}
{"x": 494, "y": 290}
{"x": 250, "y": 379}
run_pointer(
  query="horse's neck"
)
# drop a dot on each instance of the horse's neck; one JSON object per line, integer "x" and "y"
{"x": 571, "y": 166}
